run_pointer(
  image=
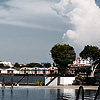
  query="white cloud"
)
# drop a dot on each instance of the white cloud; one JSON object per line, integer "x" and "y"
{"x": 84, "y": 15}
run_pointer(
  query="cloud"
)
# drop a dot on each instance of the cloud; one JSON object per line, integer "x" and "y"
{"x": 29, "y": 13}
{"x": 84, "y": 15}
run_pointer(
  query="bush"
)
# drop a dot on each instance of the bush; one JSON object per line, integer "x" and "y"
{"x": 98, "y": 77}
{"x": 38, "y": 83}
{"x": 8, "y": 82}
{"x": 78, "y": 79}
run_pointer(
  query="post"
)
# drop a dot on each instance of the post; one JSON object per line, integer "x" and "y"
{"x": 11, "y": 82}
{"x": 27, "y": 78}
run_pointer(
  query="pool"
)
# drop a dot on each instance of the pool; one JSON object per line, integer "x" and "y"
{"x": 43, "y": 94}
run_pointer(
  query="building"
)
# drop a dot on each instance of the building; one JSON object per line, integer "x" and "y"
{"x": 9, "y": 71}
{"x": 79, "y": 63}
{"x": 6, "y": 64}
{"x": 37, "y": 70}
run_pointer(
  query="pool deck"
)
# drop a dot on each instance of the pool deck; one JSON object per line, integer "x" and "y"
{"x": 57, "y": 87}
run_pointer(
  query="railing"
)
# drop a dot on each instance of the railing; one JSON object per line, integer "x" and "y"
{"x": 3, "y": 83}
{"x": 11, "y": 82}
{"x": 22, "y": 78}
{"x": 51, "y": 80}
{"x": 97, "y": 93}
{"x": 80, "y": 88}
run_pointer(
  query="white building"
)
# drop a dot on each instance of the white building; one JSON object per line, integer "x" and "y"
{"x": 9, "y": 71}
{"x": 81, "y": 62}
{"x": 6, "y": 64}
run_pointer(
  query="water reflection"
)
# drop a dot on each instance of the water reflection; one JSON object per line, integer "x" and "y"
{"x": 2, "y": 94}
{"x": 67, "y": 94}
{"x": 11, "y": 94}
{"x": 44, "y": 94}
{"x": 27, "y": 93}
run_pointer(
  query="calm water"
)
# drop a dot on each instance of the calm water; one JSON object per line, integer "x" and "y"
{"x": 43, "y": 94}
{"x": 31, "y": 79}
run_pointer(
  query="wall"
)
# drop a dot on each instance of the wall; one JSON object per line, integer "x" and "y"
{"x": 66, "y": 80}
{"x": 62, "y": 81}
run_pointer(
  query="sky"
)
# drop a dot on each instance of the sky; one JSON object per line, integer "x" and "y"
{"x": 30, "y": 28}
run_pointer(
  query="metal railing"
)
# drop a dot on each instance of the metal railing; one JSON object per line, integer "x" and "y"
{"x": 80, "y": 88}
{"x": 12, "y": 83}
{"x": 97, "y": 93}
{"x": 3, "y": 83}
{"x": 22, "y": 79}
{"x": 50, "y": 81}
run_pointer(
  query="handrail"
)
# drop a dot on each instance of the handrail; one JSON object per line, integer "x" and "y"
{"x": 81, "y": 87}
{"x": 97, "y": 93}
{"x": 50, "y": 81}
{"x": 11, "y": 82}
{"x": 3, "y": 83}
{"x": 22, "y": 78}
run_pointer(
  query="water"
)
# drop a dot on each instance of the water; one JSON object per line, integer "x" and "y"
{"x": 31, "y": 79}
{"x": 43, "y": 94}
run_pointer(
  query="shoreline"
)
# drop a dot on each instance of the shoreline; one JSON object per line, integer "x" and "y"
{"x": 57, "y": 87}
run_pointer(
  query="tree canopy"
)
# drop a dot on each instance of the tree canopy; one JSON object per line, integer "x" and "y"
{"x": 93, "y": 52}
{"x": 47, "y": 65}
{"x": 16, "y": 64}
{"x": 32, "y": 65}
{"x": 62, "y": 55}
{"x": 28, "y": 65}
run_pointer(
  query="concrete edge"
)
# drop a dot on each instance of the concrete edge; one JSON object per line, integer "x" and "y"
{"x": 55, "y": 87}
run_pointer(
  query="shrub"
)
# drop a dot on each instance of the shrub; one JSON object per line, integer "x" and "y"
{"x": 98, "y": 77}
{"x": 78, "y": 79}
{"x": 8, "y": 82}
{"x": 38, "y": 83}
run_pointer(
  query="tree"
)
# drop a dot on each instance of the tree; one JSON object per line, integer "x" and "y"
{"x": 62, "y": 55}
{"x": 47, "y": 65}
{"x": 2, "y": 66}
{"x": 93, "y": 52}
{"x": 32, "y": 65}
{"x": 17, "y": 64}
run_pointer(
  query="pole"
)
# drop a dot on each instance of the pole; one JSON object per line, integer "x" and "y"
{"x": 27, "y": 79}
{"x": 11, "y": 82}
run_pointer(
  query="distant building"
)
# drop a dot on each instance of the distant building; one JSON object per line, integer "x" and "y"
{"x": 79, "y": 63}
{"x": 9, "y": 71}
{"x": 6, "y": 63}
{"x": 37, "y": 70}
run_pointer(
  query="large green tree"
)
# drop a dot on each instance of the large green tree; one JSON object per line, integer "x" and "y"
{"x": 93, "y": 52}
{"x": 63, "y": 55}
